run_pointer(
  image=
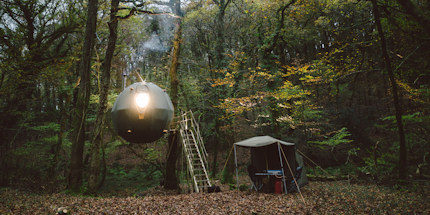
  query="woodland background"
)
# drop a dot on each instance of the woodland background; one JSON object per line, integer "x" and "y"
{"x": 348, "y": 81}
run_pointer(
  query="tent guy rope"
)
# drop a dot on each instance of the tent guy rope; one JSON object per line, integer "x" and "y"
{"x": 292, "y": 174}
{"x": 313, "y": 162}
{"x": 228, "y": 158}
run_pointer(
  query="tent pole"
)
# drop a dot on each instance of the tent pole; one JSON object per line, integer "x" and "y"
{"x": 237, "y": 172}
{"x": 282, "y": 167}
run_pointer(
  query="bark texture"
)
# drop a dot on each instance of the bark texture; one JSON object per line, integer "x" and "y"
{"x": 402, "y": 151}
{"x": 97, "y": 139}
{"x": 80, "y": 112}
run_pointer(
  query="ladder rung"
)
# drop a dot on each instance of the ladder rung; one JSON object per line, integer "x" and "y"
{"x": 193, "y": 150}
{"x": 201, "y": 179}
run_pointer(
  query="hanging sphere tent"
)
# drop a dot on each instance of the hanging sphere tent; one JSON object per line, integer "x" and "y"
{"x": 142, "y": 113}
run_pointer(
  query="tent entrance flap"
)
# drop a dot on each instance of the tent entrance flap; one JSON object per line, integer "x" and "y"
{"x": 267, "y": 158}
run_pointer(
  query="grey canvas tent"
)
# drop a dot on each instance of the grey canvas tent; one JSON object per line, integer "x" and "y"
{"x": 273, "y": 157}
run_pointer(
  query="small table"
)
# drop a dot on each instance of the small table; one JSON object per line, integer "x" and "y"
{"x": 258, "y": 184}
{"x": 270, "y": 172}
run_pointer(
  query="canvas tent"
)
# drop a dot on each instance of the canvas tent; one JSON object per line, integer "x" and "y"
{"x": 273, "y": 157}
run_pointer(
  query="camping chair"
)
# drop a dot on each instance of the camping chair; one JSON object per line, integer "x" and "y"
{"x": 257, "y": 182}
{"x": 293, "y": 187}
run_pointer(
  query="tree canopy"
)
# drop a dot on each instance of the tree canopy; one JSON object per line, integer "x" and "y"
{"x": 347, "y": 80}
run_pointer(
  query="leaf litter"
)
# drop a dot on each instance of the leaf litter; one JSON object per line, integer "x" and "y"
{"x": 321, "y": 198}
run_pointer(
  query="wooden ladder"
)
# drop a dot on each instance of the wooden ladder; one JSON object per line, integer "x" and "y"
{"x": 195, "y": 152}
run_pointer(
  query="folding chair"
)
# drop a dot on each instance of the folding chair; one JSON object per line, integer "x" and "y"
{"x": 293, "y": 186}
{"x": 257, "y": 182}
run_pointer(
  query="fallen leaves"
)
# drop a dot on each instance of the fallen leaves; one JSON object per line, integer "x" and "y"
{"x": 321, "y": 198}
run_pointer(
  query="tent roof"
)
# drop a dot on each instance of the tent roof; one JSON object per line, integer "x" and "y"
{"x": 261, "y": 141}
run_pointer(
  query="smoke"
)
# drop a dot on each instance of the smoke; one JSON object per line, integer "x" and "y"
{"x": 158, "y": 32}
{"x": 154, "y": 43}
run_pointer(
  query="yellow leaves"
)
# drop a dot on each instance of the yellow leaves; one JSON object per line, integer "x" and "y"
{"x": 412, "y": 93}
{"x": 336, "y": 50}
{"x": 235, "y": 106}
{"x": 288, "y": 92}
{"x": 306, "y": 73}
{"x": 311, "y": 79}
{"x": 322, "y": 21}
{"x": 228, "y": 80}
{"x": 304, "y": 8}
{"x": 264, "y": 75}
{"x": 77, "y": 82}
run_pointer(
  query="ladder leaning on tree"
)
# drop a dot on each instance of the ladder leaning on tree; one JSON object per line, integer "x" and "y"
{"x": 195, "y": 152}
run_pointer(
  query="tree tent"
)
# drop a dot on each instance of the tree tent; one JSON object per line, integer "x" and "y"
{"x": 273, "y": 157}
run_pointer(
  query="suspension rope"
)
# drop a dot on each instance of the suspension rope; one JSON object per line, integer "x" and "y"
{"x": 138, "y": 75}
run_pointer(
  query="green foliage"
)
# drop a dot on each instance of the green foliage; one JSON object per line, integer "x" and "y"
{"x": 231, "y": 186}
{"x": 306, "y": 113}
{"x": 152, "y": 154}
{"x": 293, "y": 72}
{"x": 46, "y": 128}
{"x": 338, "y": 138}
{"x": 384, "y": 166}
{"x": 138, "y": 179}
{"x": 243, "y": 187}
{"x": 329, "y": 171}
{"x": 35, "y": 157}
{"x": 409, "y": 118}
{"x": 112, "y": 146}
{"x": 227, "y": 177}
{"x": 117, "y": 172}
{"x": 386, "y": 161}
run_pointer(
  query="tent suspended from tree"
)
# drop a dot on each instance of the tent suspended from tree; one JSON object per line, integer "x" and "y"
{"x": 142, "y": 113}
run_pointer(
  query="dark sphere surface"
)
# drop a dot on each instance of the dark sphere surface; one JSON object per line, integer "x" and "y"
{"x": 142, "y": 125}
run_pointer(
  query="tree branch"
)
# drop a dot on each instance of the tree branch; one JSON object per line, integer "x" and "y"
{"x": 416, "y": 13}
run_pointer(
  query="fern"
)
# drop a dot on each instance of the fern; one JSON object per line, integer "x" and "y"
{"x": 338, "y": 138}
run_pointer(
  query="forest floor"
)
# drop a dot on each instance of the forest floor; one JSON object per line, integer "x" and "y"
{"x": 320, "y": 198}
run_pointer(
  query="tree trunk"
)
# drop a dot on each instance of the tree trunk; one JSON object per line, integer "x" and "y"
{"x": 80, "y": 112}
{"x": 228, "y": 173}
{"x": 171, "y": 181}
{"x": 97, "y": 140}
{"x": 219, "y": 64}
{"x": 216, "y": 149}
{"x": 219, "y": 26}
{"x": 57, "y": 148}
{"x": 418, "y": 13}
{"x": 403, "y": 151}
{"x": 277, "y": 36}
